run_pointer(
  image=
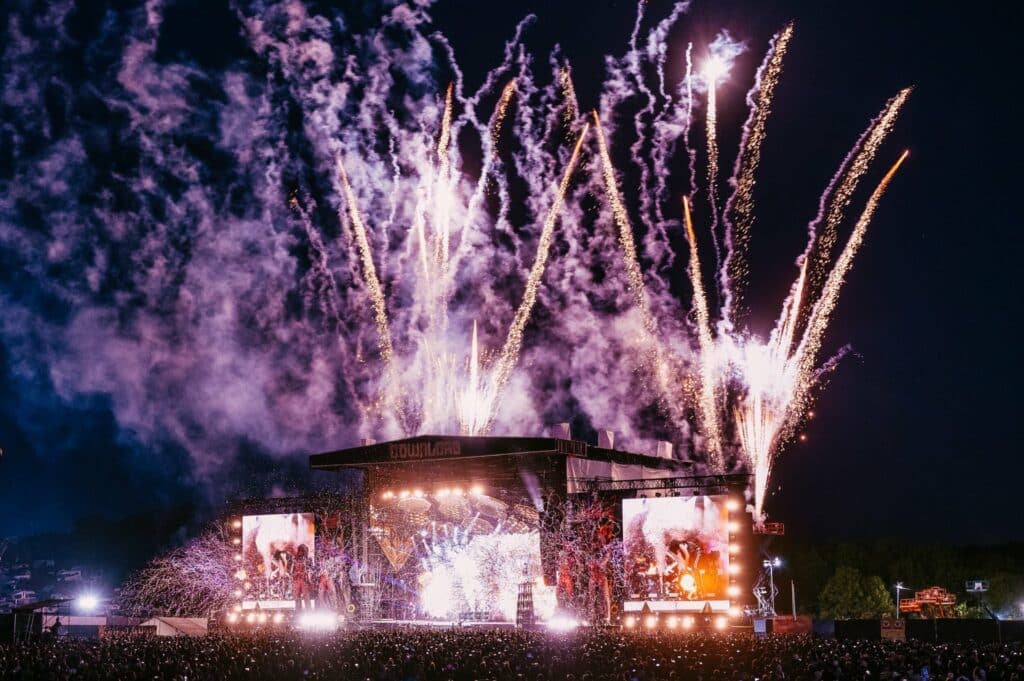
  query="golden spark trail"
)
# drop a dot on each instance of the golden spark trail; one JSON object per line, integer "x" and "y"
{"x": 380, "y": 311}
{"x": 711, "y": 126}
{"x": 443, "y": 189}
{"x": 514, "y": 341}
{"x": 499, "y": 113}
{"x": 822, "y": 311}
{"x": 826, "y": 238}
{"x": 474, "y": 412}
{"x": 625, "y": 229}
{"x": 709, "y": 401}
{"x": 740, "y": 208}
{"x": 569, "y": 95}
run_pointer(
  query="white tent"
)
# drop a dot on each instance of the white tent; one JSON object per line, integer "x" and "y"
{"x": 177, "y": 626}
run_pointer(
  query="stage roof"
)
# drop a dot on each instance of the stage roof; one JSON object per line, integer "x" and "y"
{"x": 452, "y": 448}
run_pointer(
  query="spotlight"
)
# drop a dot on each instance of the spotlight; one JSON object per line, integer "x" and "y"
{"x": 237, "y": 608}
{"x": 88, "y": 602}
{"x": 418, "y": 493}
{"x": 236, "y": 541}
{"x": 238, "y": 593}
{"x": 444, "y": 492}
{"x": 651, "y": 621}
{"x": 672, "y": 622}
{"x": 238, "y": 558}
{"x": 250, "y": 618}
{"x": 734, "y": 549}
{"x": 734, "y": 568}
{"x": 777, "y": 562}
{"x": 732, "y": 505}
{"x": 247, "y": 586}
{"x": 261, "y": 618}
{"x": 477, "y": 490}
{"x": 278, "y": 617}
{"x": 457, "y": 491}
{"x": 240, "y": 574}
{"x": 733, "y": 591}
{"x": 688, "y": 622}
{"x": 237, "y": 524}
{"x": 232, "y": 617}
{"x": 562, "y": 623}
{"x": 317, "y": 621}
{"x": 403, "y": 494}
{"x": 734, "y": 611}
{"x": 734, "y": 527}
{"x": 721, "y": 623}
{"x": 629, "y": 622}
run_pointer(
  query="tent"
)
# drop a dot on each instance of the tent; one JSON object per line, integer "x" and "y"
{"x": 177, "y": 626}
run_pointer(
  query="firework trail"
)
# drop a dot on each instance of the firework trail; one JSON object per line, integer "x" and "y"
{"x": 851, "y": 171}
{"x": 739, "y": 209}
{"x": 712, "y": 71}
{"x": 514, "y": 341}
{"x": 569, "y": 95}
{"x": 380, "y": 310}
{"x": 499, "y": 113}
{"x": 709, "y": 379}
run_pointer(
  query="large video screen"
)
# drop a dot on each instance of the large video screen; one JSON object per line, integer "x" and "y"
{"x": 460, "y": 554}
{"x": 272, "y": 546}
{"x": 676, "y": 550}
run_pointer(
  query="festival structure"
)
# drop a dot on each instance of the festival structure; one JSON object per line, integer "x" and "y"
{"x": 452, "y": 529}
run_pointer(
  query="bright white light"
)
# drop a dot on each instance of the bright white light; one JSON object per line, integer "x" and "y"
{"x": 238, "y": 593}
{"x": 238, "y": 558}
{"x": 278, "y": 617}
{"x": 240, "y": 575}
{"x": 734, "y": 549}
{"x": 735, "y": 611}
{"x": 651, "y": 621}
{"x": 236, "y": 541}
{"x": 721, "y": 622}
{"x": 715, "y": 68}
{"x": 237, "y": 524}
{"x": 88, "y": 602}
{"x": 734, "y": 568}
{"x": 457, "y": 491}
{"x": 688, "y": 622}
{"x": 630, "y": 622}
{"x": 732, "y": 505}
{"x": 672, "y": 622}
{"x": 777, "y": 562}
{"x": 477, "y": 489}
{"x": 250, "y": 618}
{"x": 444, "y": 492}
{"x": 403, "y": 494}
{"x": 317, "y": 621}
{"x": 562, "y": 623}
{"x": 734, "y": 527}
{"x": 418, "y": 493}
{"x": 733, "y": 591}
{"x": 232, "y": 617}
{"x": 262, "y": 617}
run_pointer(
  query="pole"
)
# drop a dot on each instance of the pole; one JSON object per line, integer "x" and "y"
{"x": 792, "y": 591}
{"x": 771, "y": 581}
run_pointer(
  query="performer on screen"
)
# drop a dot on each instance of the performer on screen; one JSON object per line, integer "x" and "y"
{"x": 300, "y": 578}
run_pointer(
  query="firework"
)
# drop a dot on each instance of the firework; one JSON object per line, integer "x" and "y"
{"x": 499, "y": 113}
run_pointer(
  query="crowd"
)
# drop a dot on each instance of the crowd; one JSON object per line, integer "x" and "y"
{"x": 397, "y": 655}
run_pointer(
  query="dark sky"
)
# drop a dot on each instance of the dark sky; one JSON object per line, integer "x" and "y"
{"x": 916, "y": 434}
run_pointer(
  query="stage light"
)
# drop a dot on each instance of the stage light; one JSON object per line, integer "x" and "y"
{"x": 387, "y": 495}
{"x": 777, "y": 562}
{"x": 734, "y": 549}
{"x": 250, "y": 618}
{"x": 444, "y": 492}
{"x": 247, "y": 586}
{"x": 236, "y": 541}
{"x": 261, "y": 618}
{"x": 317, "y": 621}
{"x": 403, "y": 494}
{"x": 457, "y": 491}
{"x": 688, "y": 622}
{"x": 734, "y": 527}
{"x": 651, "y": 621}
{"x": 232, "y": 617}
{"x": 418, "y": 493}
{"x": 237, "y": 524}
{"x": 88, "y": 602}
{"x": 629, "y": 622}
{"x": 732, "y": 505}
{"x": 733, "y": 591}
{"x": 562, "y": 623}
{"x": 278, "y": 617}
{"x": 734, "y": 611}
{"x": 238, "y": 593}
{"x": 237, "y": 608}
{"x": 734, "y": 568}
{"x": 238, "y": 558}
{"x": 721, "y": 623}
{"x": 672, "y": 622}
{"x": 477, "y": 490}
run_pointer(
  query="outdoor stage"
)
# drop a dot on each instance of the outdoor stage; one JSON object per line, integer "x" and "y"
{"x": 449, "y": 531}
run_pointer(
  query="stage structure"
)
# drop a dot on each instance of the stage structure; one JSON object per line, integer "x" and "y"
{"x": 451, "y": 528}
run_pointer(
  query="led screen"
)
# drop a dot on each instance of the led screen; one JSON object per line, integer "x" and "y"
{"x": 273, "y": 548}
{"x": 676, "y": 548}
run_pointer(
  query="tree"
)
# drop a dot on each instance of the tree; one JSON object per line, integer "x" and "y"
{"x": 849, "y": 594}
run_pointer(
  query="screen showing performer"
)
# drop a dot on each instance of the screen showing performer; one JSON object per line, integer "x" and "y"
{"x": 277, "y": 553}
{"x": 676, "y": 548}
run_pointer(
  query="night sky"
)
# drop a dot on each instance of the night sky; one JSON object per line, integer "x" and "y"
{"x": 915, "y": 435}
